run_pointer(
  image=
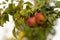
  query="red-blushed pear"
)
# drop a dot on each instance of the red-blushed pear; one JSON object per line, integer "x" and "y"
{"x": 39, "y": 18}
{"x": 31, "y": 22}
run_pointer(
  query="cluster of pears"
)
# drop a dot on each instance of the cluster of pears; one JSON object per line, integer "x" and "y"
{"x": 38, "y": 19}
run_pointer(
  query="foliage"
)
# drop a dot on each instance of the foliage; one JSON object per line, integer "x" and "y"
{"x": 20, "y": 16}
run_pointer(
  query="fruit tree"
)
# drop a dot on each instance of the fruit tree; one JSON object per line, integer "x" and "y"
{"x": 35, "y": 22}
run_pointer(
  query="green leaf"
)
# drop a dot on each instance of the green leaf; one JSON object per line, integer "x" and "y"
{"x": 12, "y": 1}
{"x": 6, "y": 0}
{"x": 17, "y": 25}
{"x": 22, "y": 13}
{"x": 3, "y": 2}
{"x": 0, "y": 20}
{"x": 11, "y": 9}
{"x": 28, "y": 7}
{"x": 16, "y": 16}
{"x": 3, "y": 18}
{"x": 58, "y": 15}
{"x": 28, "y": 3}
{"x": 20, "y": 4}
{"x": 51, "y": 18}
{"x": 14, "y": 32}
{"x": 17, "y": 0}
{"x": 57, "y": 4}
{"x": 39, "y": 3}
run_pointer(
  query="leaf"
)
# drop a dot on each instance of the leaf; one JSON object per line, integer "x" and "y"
{"x": 20, "y": 4}
{"x": 11, "y": 9}
{"x": 39, "y": 3}
{"x": 16, "y": 16}
{"x": 17, "y": 25}
{"x": 6, "y": 0}
{"x": 58, "y": 15}
{"x": 22, "y": 12}
{"x": 17, "y": 0}
{"x": 3, "y": 2}
{"x": 11, "y": 5}
{"x": 57, "y": 4}
{"x": 50, "y": 21}
{"x": 51, "y": 18}
{"x": 28, "y": 3}
{"x": 14, "y": 32}
{"x": 0, "y": 20}
{"x": 53, "y": 31}
{"x": 12, "y": 1}
{"x": 28, "y": 7}
{"x": 3, "y": 18}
